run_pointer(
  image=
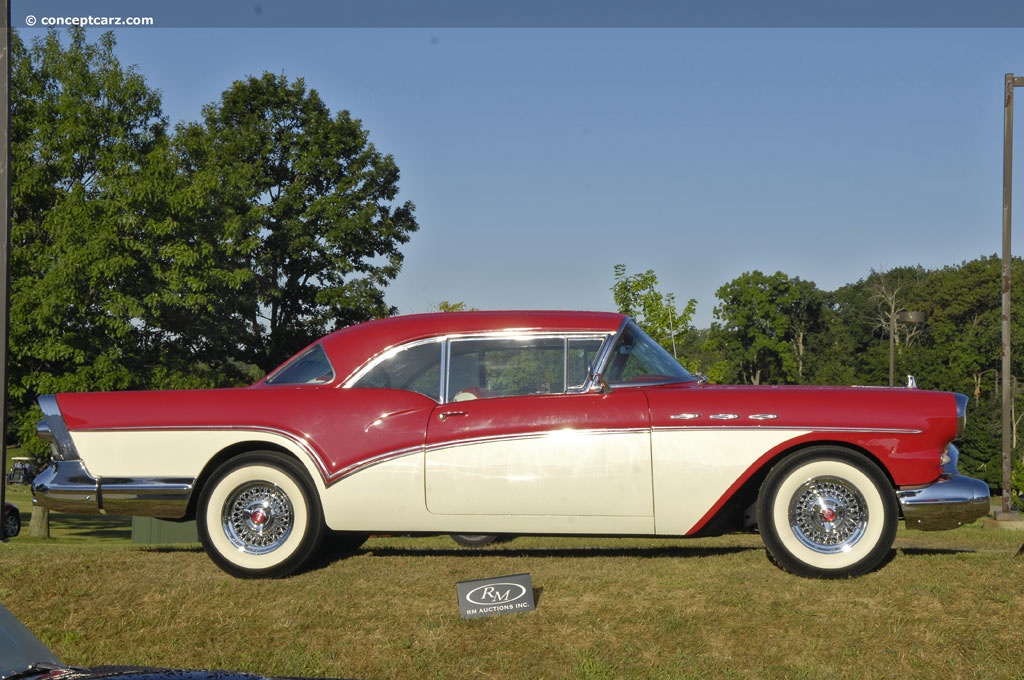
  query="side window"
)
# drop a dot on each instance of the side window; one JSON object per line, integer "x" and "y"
{"x": 580, "y": 358}
{"x": 504, "y": 367}
{"x": 416, "y": 368}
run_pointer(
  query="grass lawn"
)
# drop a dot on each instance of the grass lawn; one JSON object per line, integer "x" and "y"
{"x": 949, "y": 605}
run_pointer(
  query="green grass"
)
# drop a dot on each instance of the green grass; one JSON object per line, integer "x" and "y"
{"x": 948, "y": 604}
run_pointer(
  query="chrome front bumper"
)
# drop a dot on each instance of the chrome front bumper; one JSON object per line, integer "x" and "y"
{"x": 950, "y": 502}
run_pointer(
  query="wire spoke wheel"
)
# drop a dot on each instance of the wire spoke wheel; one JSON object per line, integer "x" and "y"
{"x": 828, "y": 515}
{"x": 827, "y": 512}
{"x": 259, "y": 516}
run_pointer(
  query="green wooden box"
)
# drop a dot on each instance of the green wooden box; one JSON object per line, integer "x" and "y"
{"x": 151, "y": 531}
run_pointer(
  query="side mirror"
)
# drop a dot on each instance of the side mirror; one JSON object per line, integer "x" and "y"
{"x": 598, "y": 385}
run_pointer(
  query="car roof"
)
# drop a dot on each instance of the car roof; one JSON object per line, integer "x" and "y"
{"x": 361, "y": 342}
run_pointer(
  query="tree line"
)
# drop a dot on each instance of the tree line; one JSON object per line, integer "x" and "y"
{"x": 778, "y": 329}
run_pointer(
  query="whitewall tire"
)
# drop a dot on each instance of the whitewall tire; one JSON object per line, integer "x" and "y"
{"x": 259, "y": 516}
{"x": 827, "y": 512}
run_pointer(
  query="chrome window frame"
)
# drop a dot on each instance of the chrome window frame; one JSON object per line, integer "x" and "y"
{"x": 446, "y": 342}
{"x": 393, "y": 351}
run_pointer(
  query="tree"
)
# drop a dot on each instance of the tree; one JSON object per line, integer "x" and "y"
{"x": 655, "y": 312}
{"x": 299, "y": 208}
{"x": 87, "y": 141}
{"x": 765, "y": 324}
{"x": 456, "y": 306}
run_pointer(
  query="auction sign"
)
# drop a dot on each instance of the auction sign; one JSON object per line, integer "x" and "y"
{"x": 493, "y": 596}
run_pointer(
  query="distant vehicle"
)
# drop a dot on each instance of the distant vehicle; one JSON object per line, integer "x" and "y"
{"x": 23, "y": 471}
{"x": 11, "y": 520}
{"x": 479, "y": 424}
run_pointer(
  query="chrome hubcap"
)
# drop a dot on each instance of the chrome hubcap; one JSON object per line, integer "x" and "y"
{"x": 828, "y": 515}
{"x": 258, "y": 518}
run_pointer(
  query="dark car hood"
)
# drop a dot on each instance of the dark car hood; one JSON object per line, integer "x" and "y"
{"x": 25, "y": 657}
{"x": 142, "y": 673}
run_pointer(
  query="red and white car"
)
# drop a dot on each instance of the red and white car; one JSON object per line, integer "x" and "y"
{"x": 560, "y": 423}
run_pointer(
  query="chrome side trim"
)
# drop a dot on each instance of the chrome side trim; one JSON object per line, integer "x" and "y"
{"x": 802, "y": 428}
{"x": 371, "y": 462}
{"x": 524, "y": 436}
{"x": 67, "y": 486}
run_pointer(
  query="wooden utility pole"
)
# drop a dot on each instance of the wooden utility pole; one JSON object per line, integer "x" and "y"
{"x": 1010, "y": 83}
{"x": 5, "y": 236}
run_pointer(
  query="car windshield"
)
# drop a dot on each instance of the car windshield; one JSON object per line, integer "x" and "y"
{"x": 636, "y": 358}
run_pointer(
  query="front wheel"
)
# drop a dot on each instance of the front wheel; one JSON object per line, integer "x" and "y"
{"x": 259, "y": 516}
{"x": 827, "y": 513}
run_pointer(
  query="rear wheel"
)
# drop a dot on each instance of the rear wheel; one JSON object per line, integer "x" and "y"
{"x": 827, "y": 513}
{"x": 259, "y": 516}
{"x": 474, "y": 540}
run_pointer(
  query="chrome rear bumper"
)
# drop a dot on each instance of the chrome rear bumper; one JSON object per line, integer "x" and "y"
{"x": 67, "y": 486}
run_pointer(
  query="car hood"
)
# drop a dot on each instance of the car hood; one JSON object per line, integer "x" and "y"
{"x": 24, "y": 657}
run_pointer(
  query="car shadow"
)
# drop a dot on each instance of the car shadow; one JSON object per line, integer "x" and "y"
{"x": 934, "y": 551}
{"x": 654, "y": 552}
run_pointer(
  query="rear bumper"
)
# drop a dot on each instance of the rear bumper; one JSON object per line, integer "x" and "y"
{"x": 67, "y": 486}
{"x": 952, "y": 501}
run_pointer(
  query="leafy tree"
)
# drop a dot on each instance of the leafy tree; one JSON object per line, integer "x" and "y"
{"x": 655, "y": 312}
{"x": 449, "y": 306}
{"x": 87, "y": 142}
{"x": 766, "y": 323}
{"x": 299, "y": 208}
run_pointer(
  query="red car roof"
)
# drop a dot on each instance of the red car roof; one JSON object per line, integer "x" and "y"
{"x": 362, "y": 341}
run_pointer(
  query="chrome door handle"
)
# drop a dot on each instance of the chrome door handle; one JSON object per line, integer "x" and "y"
{"x": 445, "y": 415}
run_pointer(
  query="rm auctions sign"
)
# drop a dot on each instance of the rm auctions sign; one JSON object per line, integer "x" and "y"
{"x": 493, "y": 596}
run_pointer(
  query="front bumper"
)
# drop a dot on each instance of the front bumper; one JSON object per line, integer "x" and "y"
{"x": 950, "y": 502}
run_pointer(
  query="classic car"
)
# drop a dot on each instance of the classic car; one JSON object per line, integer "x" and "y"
{"x": 512, "y": 423}
{"x": 11, "y": 520}
{"x": 23, "y": 656}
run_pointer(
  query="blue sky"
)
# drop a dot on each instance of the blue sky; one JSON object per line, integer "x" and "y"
{"x": 538, "y": 158}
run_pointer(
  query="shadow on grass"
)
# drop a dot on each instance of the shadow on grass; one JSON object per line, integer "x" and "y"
{"x": 175, "y": 548}
{"x": 666, "y": 552}
{"x": 90, "y": 526}
{"x": 935, "y": 551}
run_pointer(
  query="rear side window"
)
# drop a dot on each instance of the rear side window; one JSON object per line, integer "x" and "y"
{"x": 309, "y": 368}
{"x": 416, "y": 368}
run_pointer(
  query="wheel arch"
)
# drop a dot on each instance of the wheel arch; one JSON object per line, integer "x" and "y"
{"x": 738, "y": 513}
{"x": 235, "y": 450}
